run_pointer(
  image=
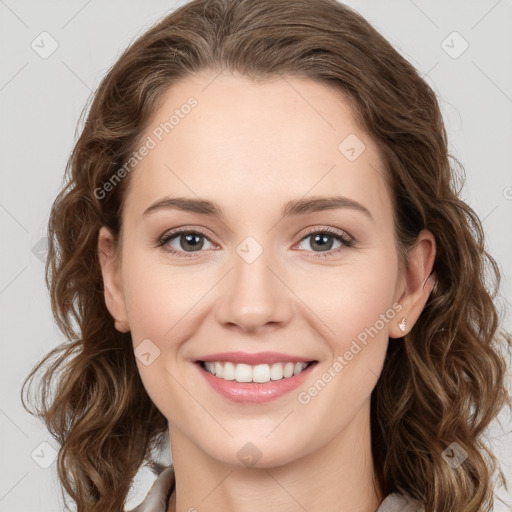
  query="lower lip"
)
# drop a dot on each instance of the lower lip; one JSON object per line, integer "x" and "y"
{"x": 254, "y": 392}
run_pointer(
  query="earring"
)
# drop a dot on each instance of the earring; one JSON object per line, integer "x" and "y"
{"x": 433, "y": 282}
{"x": 401, "y": 324}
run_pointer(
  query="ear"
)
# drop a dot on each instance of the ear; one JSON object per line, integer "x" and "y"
{"x": 111, "y": 272}
{"x": 418, "y": 283}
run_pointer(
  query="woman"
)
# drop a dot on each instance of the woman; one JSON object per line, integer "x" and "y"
{"x": 267, "y": 264}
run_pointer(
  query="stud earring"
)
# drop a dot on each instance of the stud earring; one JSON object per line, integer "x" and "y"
{"x": 401, "y": 324}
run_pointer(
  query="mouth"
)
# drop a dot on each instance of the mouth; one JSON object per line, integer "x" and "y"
{"x": 258, "y": 374}
{"x": 242, "y": 383}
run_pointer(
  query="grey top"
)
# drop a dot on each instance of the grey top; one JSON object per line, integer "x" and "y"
{"x": 157, "y": 498}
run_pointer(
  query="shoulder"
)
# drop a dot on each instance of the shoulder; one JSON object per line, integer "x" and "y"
{"x": 396, "y": 502}
{"x": 157, "y": 497}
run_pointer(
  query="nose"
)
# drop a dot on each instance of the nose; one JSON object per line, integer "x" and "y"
{"x": 254, "y": 295}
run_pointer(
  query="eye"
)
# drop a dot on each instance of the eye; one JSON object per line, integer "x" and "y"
{"x": 322, "y": 240}
{"x": 183, "y": 241}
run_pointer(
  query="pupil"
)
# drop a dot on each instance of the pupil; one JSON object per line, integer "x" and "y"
{"x": 320, "y": 241}
{"x": 324, "y": 246}
{"x": 193, "y": 239}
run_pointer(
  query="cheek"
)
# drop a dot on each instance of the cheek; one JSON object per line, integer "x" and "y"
{"x": 348, "y": 300}
{"x": 158, "y": 300}
{"x": 354, "y": 298}
{"x": 359, "y": 312}
{"x": 368, "y": 297}
{"x": 157, "y": 296}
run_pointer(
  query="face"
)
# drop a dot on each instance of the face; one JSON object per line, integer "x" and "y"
{"x": 269, "y": 275}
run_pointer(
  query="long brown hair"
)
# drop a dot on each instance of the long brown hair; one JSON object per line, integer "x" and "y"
{"x": 442, "y": 383}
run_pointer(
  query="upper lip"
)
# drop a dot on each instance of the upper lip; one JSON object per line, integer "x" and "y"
{"x": 254, "y": 359}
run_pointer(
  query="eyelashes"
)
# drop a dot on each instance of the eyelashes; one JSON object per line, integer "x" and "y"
{"x": 194, "y": 237}
{"x": 165, "y": 239}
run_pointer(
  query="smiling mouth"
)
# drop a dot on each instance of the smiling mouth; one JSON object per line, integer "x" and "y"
{"x": 260, "y": 373}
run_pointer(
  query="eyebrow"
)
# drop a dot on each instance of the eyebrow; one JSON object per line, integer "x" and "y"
{"x": 294, "y": 207}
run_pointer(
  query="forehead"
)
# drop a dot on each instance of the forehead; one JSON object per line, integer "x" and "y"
{"x": 243, "y": 142}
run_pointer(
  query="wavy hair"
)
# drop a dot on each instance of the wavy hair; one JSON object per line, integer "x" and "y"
{"x": 443, "y": 382}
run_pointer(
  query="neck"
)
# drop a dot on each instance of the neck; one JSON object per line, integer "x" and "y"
{"x": 339, "y": 476}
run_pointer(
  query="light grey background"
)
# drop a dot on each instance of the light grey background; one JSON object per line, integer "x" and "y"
{"x": 40, "y": 102}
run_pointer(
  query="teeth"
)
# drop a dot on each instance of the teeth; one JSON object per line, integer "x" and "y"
{"x": 219, "y": 370}
{"x": 260, "y": 373}
{"x": 228, "y": 372}
{"x": 243, "y": 372}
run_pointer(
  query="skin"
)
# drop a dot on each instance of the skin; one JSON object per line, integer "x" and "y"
{"x": 252, "y": 147}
